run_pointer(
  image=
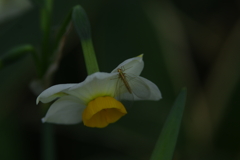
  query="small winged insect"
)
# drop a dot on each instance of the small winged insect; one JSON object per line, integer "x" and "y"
{"x": 130, "y": 87}
{"x": 122, "y": 76}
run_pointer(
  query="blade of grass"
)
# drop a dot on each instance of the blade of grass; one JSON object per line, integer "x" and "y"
{"x": 45, "y": 20}
{"x": 48, "y": 148}
{"x": 82, "y": 25}
{"x": 166, "y": 142}
{"x": 62, "y": 29}
{"x": 16, "y": 53}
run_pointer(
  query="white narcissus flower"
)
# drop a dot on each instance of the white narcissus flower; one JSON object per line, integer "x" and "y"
{"x": 97, "y": 100}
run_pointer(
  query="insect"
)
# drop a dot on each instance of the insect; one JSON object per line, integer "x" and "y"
{"x": 122, "y": 76}
{"x": 130, "y": 87}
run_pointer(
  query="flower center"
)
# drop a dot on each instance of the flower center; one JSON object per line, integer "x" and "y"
{"x": 102, "y": 111}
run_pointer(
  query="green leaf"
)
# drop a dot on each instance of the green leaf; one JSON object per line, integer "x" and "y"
{"x": 82, "y": 26}
{"x": 46, "y": 11}
{"x": 166, "y": 142}
{"x": 45, "y": 21}
{"x": 16, "y": 53}
{"x": 63, "y": 28}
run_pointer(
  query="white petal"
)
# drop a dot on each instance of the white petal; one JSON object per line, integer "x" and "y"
{"x": 155, "y": 93}
{"x": 133, "y": 66}
{"x": 140, "y": 89}
{"x": 66, "y": 110}
{"x": 53, "y": 92}
{"x": 95, "y": 85}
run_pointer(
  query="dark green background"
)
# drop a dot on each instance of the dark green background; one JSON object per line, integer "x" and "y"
{"x": 185, "y": 43}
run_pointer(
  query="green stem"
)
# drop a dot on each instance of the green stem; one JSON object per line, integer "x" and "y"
{"x": 48, "y": 152}
{"x": 46, "y": 13}
{"x": 89, "y": 56}
{"x": 82, "y": 26}
{"x": 48, "y": 149}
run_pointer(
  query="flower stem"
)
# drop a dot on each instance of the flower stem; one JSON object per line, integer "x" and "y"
{"x": 82, "y": 26}
{"x": 48, "y": 149}
{"x": 89, "y": 56}
{"x": 46, "y": 13}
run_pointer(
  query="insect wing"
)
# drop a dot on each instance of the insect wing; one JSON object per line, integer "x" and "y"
{"x": 138, "y": 86}
{"x": 123, "y": 95}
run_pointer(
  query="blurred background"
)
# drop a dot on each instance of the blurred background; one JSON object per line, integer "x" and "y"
{"x": 193, "y": 44}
